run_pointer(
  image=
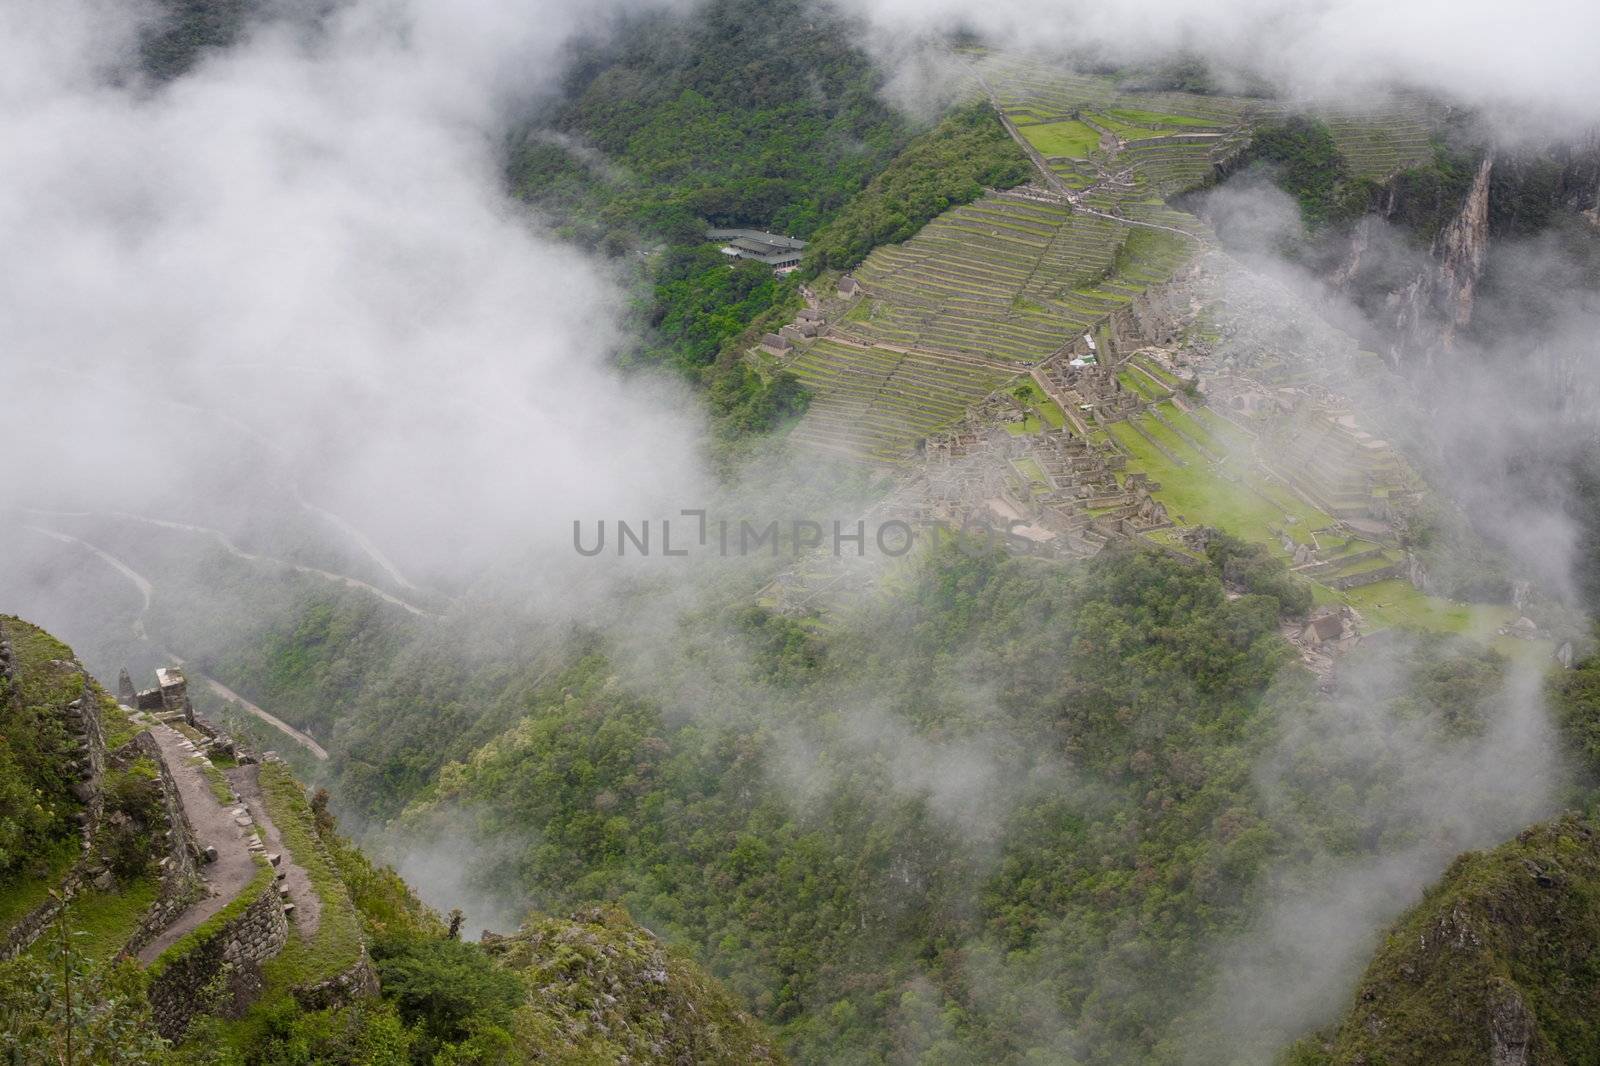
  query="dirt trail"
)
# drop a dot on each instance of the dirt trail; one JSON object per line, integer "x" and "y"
{"x": 233, "y": 549}
{"x": 138, "y": 579}
{"x": 145, "y": 589}
{"x": 246, "y": 781}
{"x": 304, "y": 739}
{"x": 214, "y": 826}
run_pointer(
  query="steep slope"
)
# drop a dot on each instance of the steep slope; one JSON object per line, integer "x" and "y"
{"x": 165, "y": 897}
{"x": 1499, "y": 964}
{"x": 609, "y": 990}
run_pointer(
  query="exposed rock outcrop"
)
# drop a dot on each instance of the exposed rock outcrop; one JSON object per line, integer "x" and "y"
{"x": 1428, "y": 312}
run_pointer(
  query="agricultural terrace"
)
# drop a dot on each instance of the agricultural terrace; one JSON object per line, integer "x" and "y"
{"x": 1378, "y": 142}
{"x": 1069, "y": 138}
{"x": 1202, "y": 464}
{"x": 1008, "y": 278}
{"x": 874, "y": 404}
{"x": 1165, "y": 142}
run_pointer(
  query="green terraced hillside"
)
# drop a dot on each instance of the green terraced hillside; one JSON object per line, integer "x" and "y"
{"x": 874, "y": 403}
{"x": 1378, "y": 142}
{"x": 1008, "y": 278}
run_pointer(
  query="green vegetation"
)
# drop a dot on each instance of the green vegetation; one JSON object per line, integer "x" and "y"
{"x": 1070, "y": 139}
{"x": 673, "y": 100}
{"x": 1137, "y": 669}
{"x": 1157, "y": 118}
{"x": 1259, "y": 572}
{"x": 1335, "y": 170}
{"x": 605, "y": 990}
{"x": 102, "y": 921}
{"x": 874, "y": 403}
{"x": 1200, "y": 493}
{"x": 952, "y": 164}
{"x": 1497, "y": 960}
{"x": 691, "y": 135}
{"x": 336, "y": 945}
{"x": 1309, "y": 167}
{"x": 186, "y": 30}
{"x": 1008, "y": 277}
{"x": 107, "y": 1024}
{"x": 1378, "y": 143}
{"x": 36, "y": 802}
{"x": 1575, "y": 696}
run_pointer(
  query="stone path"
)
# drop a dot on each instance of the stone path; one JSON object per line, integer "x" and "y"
{"x": 246, "y": 781}
{"x": 215, "y": 826}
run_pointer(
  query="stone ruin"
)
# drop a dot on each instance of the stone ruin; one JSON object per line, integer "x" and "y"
{"x": 1090, "y": 389}
{"x": 976, "y": 476}
{"x": 168, "y": 699}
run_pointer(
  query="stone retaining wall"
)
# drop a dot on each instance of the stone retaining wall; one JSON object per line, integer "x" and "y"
{"x": 83, "y": 721}
{"x": 1371, "y": 577}
{"x": 359, "y": 981}
{"x": 222, "y": 974}
{"x": 180, "y": 867}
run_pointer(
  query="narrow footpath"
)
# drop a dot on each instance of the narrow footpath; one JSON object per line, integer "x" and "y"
{"x": 215, "y": 826}
{"x": 246, "y": 781}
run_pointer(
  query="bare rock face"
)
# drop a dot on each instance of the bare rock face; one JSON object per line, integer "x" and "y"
{"x": 1438, "y": 302}
{"x": 1511, "y": 1030}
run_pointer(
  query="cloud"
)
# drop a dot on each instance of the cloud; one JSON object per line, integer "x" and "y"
{"x": 294, "y": 275}
{"x": 1393, "y": 797}
{"x": 1538, "y": 60}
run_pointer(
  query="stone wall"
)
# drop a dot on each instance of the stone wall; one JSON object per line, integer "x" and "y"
{"x": 180, "y": 866}
{"x": 359, "y": 981}
{"x": 221, "y": 974}
{"x": 89, "y": 762}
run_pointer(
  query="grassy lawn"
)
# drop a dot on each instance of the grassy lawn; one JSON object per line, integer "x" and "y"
{"x": 1153, "y": 367}
{"x": 1070, "y": 138}
{"x": 1028, "y": 425}
{"x": 1161, "y": 118}
{"x": 1040, "y": 406}
{"x": 1197, "y": 495}
{"x": 1397, "y": 603}
{"x": 33, "y": 885}
{"x": 1231, "y": 436}
{"x": 101, "y": 922}
{"x": 1031, "y": 470}
{"x": 1137, "y": 385}
{"x": 1200, "y": 433}
{"x": 1171, "y": 441}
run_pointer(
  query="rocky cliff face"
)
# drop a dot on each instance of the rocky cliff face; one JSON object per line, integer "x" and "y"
{"x": 1424, "y": 299}
{"x": 1427, "y": 312}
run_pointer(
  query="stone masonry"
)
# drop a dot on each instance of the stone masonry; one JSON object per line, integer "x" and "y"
{"x": 222, "y": 974}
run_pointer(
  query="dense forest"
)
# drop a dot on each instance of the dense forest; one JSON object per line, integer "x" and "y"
{"x": 926, "y": 824}
{"x": 1010, "y": 812}
{"x": 734, "y": 113}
